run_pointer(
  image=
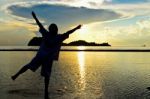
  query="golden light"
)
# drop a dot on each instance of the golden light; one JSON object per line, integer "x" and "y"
{"x": 84, "y": 29}
{"x": 103, "y": 37}
{"x": 81, "y": 61}
{"x": 81, "y": 47}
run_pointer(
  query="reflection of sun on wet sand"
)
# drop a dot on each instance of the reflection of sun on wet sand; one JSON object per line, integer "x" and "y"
{"x": 81, "y": 62}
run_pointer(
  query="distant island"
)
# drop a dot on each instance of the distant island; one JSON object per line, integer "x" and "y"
{"x": 36, "y": 41}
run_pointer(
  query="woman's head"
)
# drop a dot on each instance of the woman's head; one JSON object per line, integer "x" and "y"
{"x": 53, "y": 29}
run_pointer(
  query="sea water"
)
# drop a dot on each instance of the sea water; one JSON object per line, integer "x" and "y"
{"x": 78, "y": 75}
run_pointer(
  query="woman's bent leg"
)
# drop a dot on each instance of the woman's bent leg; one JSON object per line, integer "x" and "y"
{"x": 33, "y": 65}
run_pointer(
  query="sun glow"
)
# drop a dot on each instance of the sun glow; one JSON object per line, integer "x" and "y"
{"x": 84, "y": 29}
{"x": 81, "y": 62}
{"x": 81, "y": 48}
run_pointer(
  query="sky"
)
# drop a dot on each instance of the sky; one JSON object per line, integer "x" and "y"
{"x": 118, "y": 22}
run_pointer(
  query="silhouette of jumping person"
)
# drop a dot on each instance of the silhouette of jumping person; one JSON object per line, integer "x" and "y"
{"x": 47, "y": 53}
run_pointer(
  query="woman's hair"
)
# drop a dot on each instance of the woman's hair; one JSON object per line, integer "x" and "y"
{"x": 53, "y": 29}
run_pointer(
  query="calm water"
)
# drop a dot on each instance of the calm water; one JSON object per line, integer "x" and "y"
{"x": 79, "y": 75}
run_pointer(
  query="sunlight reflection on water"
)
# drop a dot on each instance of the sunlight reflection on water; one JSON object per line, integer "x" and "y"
{"x": 81, "y": 61}
{"x": 79, "y": 75}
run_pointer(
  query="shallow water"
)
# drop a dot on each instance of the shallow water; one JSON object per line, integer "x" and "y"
{"x": 79, "y": 75}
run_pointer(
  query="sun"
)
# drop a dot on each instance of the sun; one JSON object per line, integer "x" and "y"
{"x": 84, "y": 29}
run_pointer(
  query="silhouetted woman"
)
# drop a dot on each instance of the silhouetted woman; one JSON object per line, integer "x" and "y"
{"x": 48, "y": 51}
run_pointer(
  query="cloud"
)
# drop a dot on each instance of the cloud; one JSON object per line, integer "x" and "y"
{"x": 102, "y": 24}
{"x": 83, "y": 3}
{"x": 102, "y": 1}
{"x": 129, "y": 1}
{"x": 62, "y": 14}
{"x": 144, "y": 24}
{"x": 130, "y": 9}
{"x": 136, "y": 33}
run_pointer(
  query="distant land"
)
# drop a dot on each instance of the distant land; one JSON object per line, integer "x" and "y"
{"x": 36, "y": 41}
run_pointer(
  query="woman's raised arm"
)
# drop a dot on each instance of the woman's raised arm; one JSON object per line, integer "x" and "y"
{"x": 37, "y": 21}
{"x": 73, "y": 30}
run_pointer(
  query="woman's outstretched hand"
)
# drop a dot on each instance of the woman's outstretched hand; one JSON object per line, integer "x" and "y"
{"x": 79, "y": 26}
{"x": 33, "y": 14}
{"x": 73, "y": 30}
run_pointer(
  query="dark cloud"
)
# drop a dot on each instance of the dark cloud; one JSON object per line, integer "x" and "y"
{"x": 64, "y": 15}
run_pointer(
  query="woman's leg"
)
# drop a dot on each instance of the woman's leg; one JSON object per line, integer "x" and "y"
{"x": 46, "y": 80}
{"x": 33, "y": 65}
{"x": 46, "y": 72}
{"x": 21, "y": 71}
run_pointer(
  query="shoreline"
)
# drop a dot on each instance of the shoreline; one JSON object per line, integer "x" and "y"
{"x": 87, "y": 50}
{"x": 79, "y": 48}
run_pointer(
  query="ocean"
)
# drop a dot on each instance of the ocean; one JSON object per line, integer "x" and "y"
{"x": 96, "y": 73}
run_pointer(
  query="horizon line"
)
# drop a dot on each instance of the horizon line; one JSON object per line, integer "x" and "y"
{"x": 85, "y": 50}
